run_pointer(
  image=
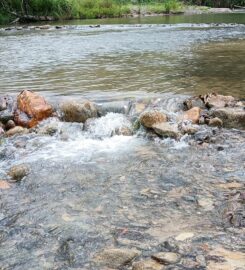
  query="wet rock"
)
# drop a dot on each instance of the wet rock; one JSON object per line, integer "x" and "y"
{"x": 115, "y": 107}
{"x": 192, "y": 115}
{"x": 193, "y": 102}
{"x": 203, "y": 136}
{"x": 215, "y": 122}
{"x": 231, "y": 117}
{"x": 10, "y": 124}
{"x": 167, "y": 130}
{"x": 2, "y": 132}
{"x": 218, "y": 101}
{"x": 115, "y": 258}
{"x": 3, "y": 104}
{"x": 187, "y": 128}
{"x": 7, "y": 109}
{"x": 166, "y": 257}
{"x": 31, "y": 109}
{"x": 124, "y": 131}
{"x": 18, "y": 172}
{"x": 75, "y": 111}
{"x": 44, "y": 27}
{"x": 16, "y": 130}
{"x": 150, "y": 118}
{"x": 184, "y": 236}
{"x": 147, "y": 265}
{"x": 4, "y": 184}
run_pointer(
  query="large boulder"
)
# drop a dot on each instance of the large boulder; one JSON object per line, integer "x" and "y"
{"x": 150, "y": 118}
{"x": 75, "y": 111}
{"x": 167, "y": 130}
{"x": 231, "y": 117}
{"x": 31, "y": 109}
{"x": 218, "y": 101}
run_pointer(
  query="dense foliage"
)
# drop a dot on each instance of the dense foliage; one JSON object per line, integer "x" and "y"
{"x": 97, "y": 8}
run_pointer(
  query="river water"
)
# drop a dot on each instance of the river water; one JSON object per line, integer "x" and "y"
{"x": 87, "y": 191}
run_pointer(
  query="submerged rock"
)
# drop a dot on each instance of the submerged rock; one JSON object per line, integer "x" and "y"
{"x": 115, "y": 258}
{"x": 167, "y": 130}
{"x": 4, "y": 184}
{"x": 150, "y": 118}
{"x": 18, "y": 172}
{"x": 75, "y": 111}
{"x": 147, "y": 265}
{"x": 16, "y": 130}
{"x": 31, "y": 109}
{"x": 166, "y": 257}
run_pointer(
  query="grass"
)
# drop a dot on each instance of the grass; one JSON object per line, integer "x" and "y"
{"x": 90, "y": 9}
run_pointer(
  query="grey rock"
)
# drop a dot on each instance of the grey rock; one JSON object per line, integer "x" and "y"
{"x": 75, "y": 111}
{"x": 167, "y": 130}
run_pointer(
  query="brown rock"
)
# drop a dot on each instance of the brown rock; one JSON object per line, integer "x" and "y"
{"x": 193, "y": 102}
{"x": 147, "y": 265}
{"x": 167, "y": 130}
{"x": 1, "y": 131}
{"x": 75, "y": 111}
{"x": 192, "y": 115}
{"x": 16, "y": 130}
{"x": 10, "y": 124}
{"x": 166, "y": 257}
{"x": 218, "y": 101}
{"x": 115, "y": 258}
{"x": 149, "y": 118}
{"x": 18, "y": 172}
{"x": 31, "y": 108}
{"x": 215, "y": 122}
{"x": 231, "y": 117}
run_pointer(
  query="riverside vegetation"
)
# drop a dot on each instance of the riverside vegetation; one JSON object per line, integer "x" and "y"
{"x": 89, "y": 9}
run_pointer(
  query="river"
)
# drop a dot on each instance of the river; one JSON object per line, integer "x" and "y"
{"x": 87, "y": 191}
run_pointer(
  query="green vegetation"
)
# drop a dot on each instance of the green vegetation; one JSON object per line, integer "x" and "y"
{"x": 83, "y": 9}
{"x": 86, "y": 9}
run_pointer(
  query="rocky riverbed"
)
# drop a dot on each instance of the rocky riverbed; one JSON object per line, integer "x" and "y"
{"x": 136, "y": 184}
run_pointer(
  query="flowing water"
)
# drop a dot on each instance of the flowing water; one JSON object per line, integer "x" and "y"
{"x": 88, "y": 190}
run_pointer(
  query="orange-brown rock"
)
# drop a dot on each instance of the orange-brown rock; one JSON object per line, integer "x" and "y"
{"x": 192, "y": 115}
{"x": 31, "y": 108}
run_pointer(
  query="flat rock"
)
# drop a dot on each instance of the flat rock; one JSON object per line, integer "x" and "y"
{"x": 4, "y": 184}
{"x": 166, "y": 130}
{"x": 166, "y": 257}
{"x": 218, "y": 101}
{"x": 184, "y": 236}
{"x": 147, "y": 265}
{"x": 115, "y": 257}
{"x": 16, "y": 130}
{"x": 150, "y": 118}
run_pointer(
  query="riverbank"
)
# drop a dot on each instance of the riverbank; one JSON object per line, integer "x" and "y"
{"x": 114, "y": 11}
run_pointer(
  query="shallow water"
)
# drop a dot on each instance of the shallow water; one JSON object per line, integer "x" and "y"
{"x": 88, "y": 190}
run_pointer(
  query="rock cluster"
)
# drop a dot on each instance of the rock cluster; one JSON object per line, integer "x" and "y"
{"x": 20, "y": 116}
